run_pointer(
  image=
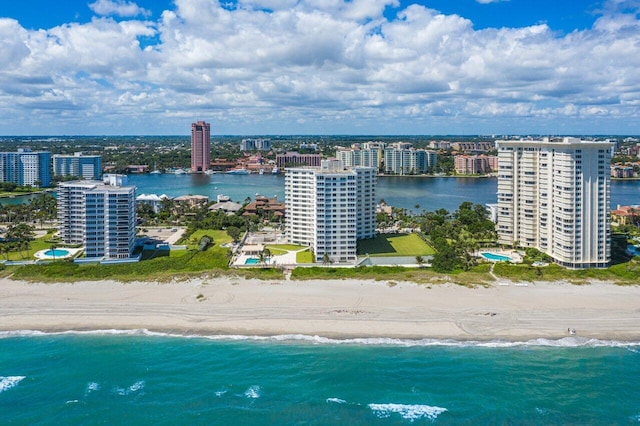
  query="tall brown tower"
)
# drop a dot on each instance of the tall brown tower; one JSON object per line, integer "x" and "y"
{"x": 200, "y": 146}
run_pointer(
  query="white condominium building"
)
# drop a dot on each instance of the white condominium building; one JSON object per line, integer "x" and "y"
{"x": 330, "y": 207}
{"x": 78, "y": 164}
{"x": 401, "y": 159}
{"x": 553, "y": 194}
{"x": 360, "y": 157}
{"x": 100, "y": 215}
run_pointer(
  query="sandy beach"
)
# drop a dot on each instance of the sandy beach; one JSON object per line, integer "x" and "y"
{"x": 337, "y": 309}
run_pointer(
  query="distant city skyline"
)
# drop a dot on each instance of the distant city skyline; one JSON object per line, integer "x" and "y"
{"x": 269, "y": 67}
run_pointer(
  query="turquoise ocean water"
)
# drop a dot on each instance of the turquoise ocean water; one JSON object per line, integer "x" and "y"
{"x": 154, "y": 379}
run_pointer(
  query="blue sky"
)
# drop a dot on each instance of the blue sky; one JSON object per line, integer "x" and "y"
{"x": 320, "y": 66}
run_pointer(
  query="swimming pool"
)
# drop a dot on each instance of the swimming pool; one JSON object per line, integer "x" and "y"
{"x": 56, "y": 253}
{"x": 495, "y": 257}
{"x": 252, "y": 261}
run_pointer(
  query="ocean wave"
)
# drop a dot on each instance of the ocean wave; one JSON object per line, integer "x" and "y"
{"x": 9, "y": 382}
{"x": 253, "y": 392}
{"x": 407, "y": 412}
{"x": 336, "y": 401}
{"x": 565, "y": 342}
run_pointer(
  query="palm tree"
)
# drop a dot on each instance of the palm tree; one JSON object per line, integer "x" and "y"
{"x": 326, "y": 259}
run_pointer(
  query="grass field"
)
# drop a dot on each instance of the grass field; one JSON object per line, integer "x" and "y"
{"x": 395, "y": 245}
{"x": 304, "y": 257}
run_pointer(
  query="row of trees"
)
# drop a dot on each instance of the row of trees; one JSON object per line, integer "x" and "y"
{"x": 457, "y": 236}
{"x": 42, "y": 207}
{"x": 16, "y": 239}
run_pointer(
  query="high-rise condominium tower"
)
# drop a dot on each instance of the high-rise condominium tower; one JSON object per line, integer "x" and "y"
{"x": 100, "y": 215}
{"x": 200, "y": 146}
{"x": 553, "y": 195}
{"x": 329, "y": 208}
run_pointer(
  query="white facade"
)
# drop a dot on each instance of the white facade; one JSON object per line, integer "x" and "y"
{"x": 329, "y": 208}
{"x": 78, "y": 164}
{"x": 100, "y": 215}
{"x": 368, "y": 157}
{"x": 554, "y": 195}
{"x": 401, "y": 159}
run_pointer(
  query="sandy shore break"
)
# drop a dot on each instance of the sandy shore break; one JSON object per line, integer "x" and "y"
{"x": 336, "y": 309}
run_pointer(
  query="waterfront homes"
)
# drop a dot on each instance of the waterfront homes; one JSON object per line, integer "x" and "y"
{"x": 553, "y": 195}
{"x": 78, "y": 165}
{"x": 99, "y": 215}
{"x": 26, "y": 167}
{"x": 329, "y": 208}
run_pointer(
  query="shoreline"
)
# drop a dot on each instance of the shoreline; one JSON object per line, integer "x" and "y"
{"x": 339, "y": 310}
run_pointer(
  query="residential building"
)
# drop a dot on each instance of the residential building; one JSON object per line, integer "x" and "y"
{"x": 553, "y": 195}
{"x": 255, "y": 144}
{"x": 401, "y": 159}
{"x": 330, "y": 207}
{"x": 621, "y": 172}
{"x": 200, "y": 146}
{"x": 356, "y": 157}
{"x": 473, "y": 146}
{"x": 26, "y": 167}
{"x": 78, "y": 165}
{"x": 294, "y": 158}
{"x": 626, "y": 215}
{"x": 100, "y": 215}
{"x": 475, "y": 164}
{"x": 153, "y": 200}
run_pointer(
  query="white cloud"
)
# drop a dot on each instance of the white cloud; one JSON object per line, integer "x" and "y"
{"x": 489, "y": 1}
{"x": 290, "y": 66}
{"x": 117, "y": 8}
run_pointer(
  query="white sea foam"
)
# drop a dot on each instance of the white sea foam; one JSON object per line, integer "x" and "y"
{"x": 137, "y": 386}
{"x": 72, "y": 401}
{"x": 572, "y": 341}
{"x": 9, "y": 382}
{"x": 220, "y": 393}
{"x": 92, "y": 387}
{"x": 336, "y": 401}
{"x": 408, "y": 412}
{"x": 253, "y": 392}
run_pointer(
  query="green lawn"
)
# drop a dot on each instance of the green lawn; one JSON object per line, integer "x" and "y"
{"x": 34, "y": 246}
{"x": 305, "y": 257}
{"x": 395, "y": 245}
{"x": 219, "y": 237}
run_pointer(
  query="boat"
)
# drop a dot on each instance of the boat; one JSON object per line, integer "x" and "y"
{"x": 275, "y": 170}
{"x": 241, "y": 171}
{"x": 178, "y": 172}
{"x": 261, "y": 171}
{"x": 210, "y": 172}
{"x": 155, "y": 172}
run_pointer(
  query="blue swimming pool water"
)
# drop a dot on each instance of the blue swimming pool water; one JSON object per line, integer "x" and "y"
{"x": 251, "y": 261}
{"x": 57, "y": 253}
{"x": 493, "y": 256}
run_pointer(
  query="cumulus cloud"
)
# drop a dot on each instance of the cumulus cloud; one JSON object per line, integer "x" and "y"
{"x": 308, "y": 66}
{"x": 117, "y": 8}
{"x": 489, "y": 1}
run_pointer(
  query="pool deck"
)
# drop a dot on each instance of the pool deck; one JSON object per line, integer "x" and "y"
{"x": 40, "y": 255}
{"x": 514, "y": 255}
